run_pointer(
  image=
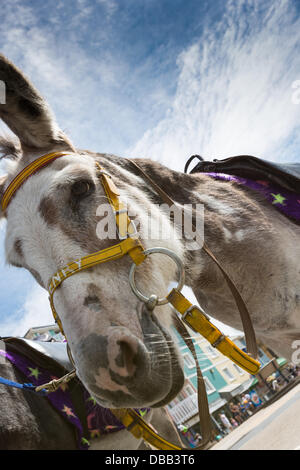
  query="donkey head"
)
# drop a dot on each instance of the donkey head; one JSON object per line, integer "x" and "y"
{"x": 123, "y": 353}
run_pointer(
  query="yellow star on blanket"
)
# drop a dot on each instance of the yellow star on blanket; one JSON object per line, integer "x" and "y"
{"x": 278, "y": 199}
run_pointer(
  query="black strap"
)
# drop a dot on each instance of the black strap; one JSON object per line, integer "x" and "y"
{"x": 201, "y": 159}
{"x": 248, "y": 166}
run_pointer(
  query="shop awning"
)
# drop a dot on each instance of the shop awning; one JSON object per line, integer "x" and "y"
{"x": 231, "y": 390}
{"x": 281, "y": 361}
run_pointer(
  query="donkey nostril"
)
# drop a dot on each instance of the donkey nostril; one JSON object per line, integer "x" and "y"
{"x": 125, "y": 353}
{"x": 127, "y": 357}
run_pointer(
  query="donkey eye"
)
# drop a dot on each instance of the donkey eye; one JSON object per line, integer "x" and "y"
{"x": 82, "y": 188}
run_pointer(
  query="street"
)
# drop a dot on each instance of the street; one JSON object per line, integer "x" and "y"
{"x": 276, "y": 427}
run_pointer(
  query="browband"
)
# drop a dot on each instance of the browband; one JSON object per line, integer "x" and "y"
{"x": 29, "y": 170}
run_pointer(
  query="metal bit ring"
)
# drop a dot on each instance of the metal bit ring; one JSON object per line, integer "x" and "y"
{"x": 164, "y": 251}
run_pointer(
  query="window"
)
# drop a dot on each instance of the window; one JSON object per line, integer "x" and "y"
{"x": 261, "y": 353}
{"x": 188, "y": 360}
{"x": 171, "y": 404}
{"x": 228, "y": 374}
{"x": 189, "y": 390}
{"x": 212, "y": 351}
{"x": 209, "y": 386}
{"x": 238, "y": 369}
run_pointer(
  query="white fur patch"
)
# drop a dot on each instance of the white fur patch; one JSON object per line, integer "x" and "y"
{"x": 104, "y": 381}
{"x": 219, "y": 206}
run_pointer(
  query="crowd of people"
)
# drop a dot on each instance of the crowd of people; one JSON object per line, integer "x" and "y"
{"x": 239, "y": 412}
{"x": 243, "y": 407}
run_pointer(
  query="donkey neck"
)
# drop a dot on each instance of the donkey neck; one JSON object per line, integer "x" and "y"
{"x": 229, "y": 210}
{"x": 237, "y": 228}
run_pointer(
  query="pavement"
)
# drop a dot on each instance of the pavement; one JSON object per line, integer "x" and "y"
{"x": 275, "y": 427}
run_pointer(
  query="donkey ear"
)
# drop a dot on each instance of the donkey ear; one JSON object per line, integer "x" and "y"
{"x": 26, "y": 113}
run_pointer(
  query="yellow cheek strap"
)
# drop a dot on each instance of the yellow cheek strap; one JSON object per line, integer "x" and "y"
{"x": 200, "y": 323}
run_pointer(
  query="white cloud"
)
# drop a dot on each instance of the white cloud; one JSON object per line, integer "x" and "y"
{"x": 36, "y": 311}
{"x": 109, "y": 5}
{"x": 82, "y": 85}
{"x": 234, "y": 91}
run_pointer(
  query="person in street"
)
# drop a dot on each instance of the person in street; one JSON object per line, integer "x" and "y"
{"x": 234, "y": 423}
{"x": 275, "y": 385}
{"x": 222, "y": 428}
{"x": 249, "y": 399}
{"x": 292, "y": 370}
{"x": 236, "y": 412}
{"x": 243, "y": 410}
{"x": 246, "y": 401}
{"x": 197, "y": 439}
{"x": 226, "y": 422}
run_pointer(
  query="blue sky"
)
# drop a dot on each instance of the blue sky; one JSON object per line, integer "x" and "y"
{"x": 156, "y": 78}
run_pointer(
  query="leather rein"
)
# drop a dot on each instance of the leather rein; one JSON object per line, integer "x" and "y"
{"x": 187, "y": 313}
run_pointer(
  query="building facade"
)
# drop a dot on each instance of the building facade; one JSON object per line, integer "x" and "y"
{"x": 224, "y": 381}
{"x": 45, "y": 333}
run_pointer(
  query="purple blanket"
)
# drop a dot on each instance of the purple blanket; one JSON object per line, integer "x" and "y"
{"x": 287, "y": 202}
{"x": 100, "y": 420}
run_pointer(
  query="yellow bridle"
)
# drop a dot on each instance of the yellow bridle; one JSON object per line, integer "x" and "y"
{"x": 130, "y": 244}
